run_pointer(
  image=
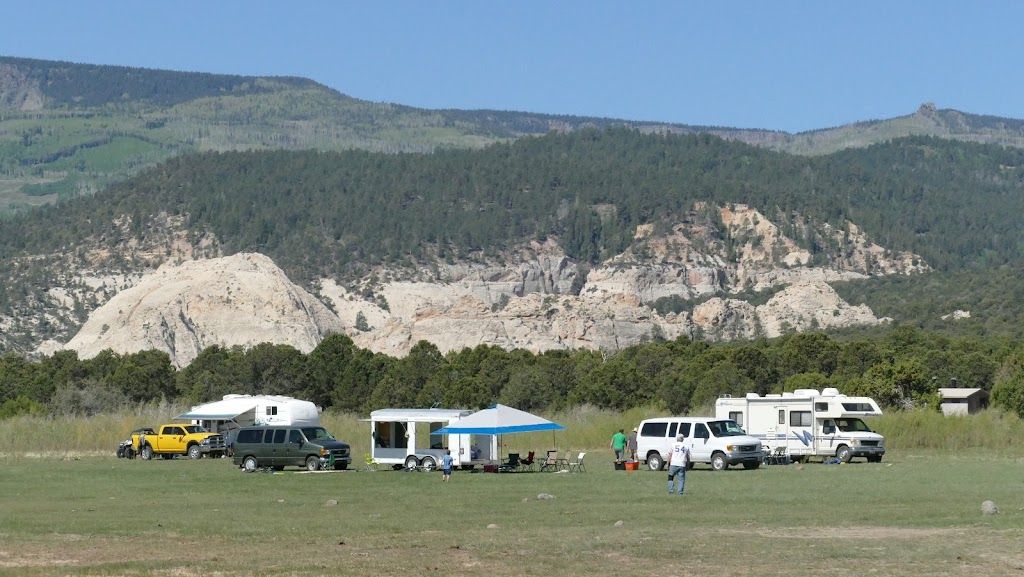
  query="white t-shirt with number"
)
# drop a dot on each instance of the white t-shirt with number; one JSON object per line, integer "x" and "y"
{"x": 680, "y": 455}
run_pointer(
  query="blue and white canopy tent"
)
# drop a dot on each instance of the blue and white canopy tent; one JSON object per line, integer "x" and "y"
{"x": 496, "y": 421}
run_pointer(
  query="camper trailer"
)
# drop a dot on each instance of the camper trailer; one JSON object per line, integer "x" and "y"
{"x": 406, "y": 438}
{"x": 233, "y": 412}
{"x": 807, "y": 423}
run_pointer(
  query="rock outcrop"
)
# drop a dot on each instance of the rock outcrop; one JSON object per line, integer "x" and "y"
{"x": 243, "y": 299}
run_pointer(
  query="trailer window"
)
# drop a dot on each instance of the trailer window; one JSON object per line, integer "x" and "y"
{"x": 800, "y": 419}
{"x": 272, "y": 410}
{"x": 821, "y": 406}
{"x": 653, "y": 429}
{"x": 736, "y": 416}
{"x": 782, "y": 416}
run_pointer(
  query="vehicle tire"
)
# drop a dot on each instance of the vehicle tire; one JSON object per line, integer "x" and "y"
{"x": 655, "y": 462}
{"x": 194, "y": 452}
{"x": 844, "y": 454}
{"x": 312, "y": 463}
{"x": 875, "y": 459}
{"x": 428, "y": 464}
{"x": 249, "y": 464}
{"x": 146, "y": 453}
{"x": 718, "y": 462}
{"x": 341, "y": 466}
{"x": 411, "y": 462}
{"x": 751, "y": 465}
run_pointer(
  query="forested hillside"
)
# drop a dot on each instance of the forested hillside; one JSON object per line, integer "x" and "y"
{"x": 956, "y": 204}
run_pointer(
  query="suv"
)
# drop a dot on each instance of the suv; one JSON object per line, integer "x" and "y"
{"x": 311, "y": 447}
{"x": 719, "y": 442}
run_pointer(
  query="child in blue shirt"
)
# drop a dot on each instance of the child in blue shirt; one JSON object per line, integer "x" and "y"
{"x": 446, "y": 466}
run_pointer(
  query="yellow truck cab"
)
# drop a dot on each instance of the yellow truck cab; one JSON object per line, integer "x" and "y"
{"x": 178, "y": 439}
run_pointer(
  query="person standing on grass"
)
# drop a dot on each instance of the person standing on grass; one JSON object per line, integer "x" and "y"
{"x": 677, "y": 464}
{"x": 631, "y": 445}
{"x": 446, "y": 466}
{"x": 618, "y": 445}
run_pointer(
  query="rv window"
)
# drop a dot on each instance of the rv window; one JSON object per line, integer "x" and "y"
{"x": 294, "y": 436}
{"x": 736, "y": 416}
{"x": 821, "y": 406}
{"x": 672, "y": 429}
{"x": 782, "y": 416}
{"x": 272, "y": 410}
{"x": 858, "y": 407}
{"x": 279, "y": 435}
{"x": 700, "y": 431}
{"x": 653, "y": 429}
{"x": 800, "y": 419}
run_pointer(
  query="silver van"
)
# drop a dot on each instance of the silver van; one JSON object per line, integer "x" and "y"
{"x": 717, "y": 442}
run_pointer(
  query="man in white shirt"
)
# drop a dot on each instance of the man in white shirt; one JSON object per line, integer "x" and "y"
{"x": 677, "y": 464}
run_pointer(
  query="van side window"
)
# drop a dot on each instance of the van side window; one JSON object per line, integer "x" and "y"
{"x": 701, "y": 432}
{"x": 800, "y": 419}
{"x": 250, "y": 436}
{"x": 684, "y": 429}
{"x": 268, "y": 436}
{"x": 294, "y": 436}
{"x": 653, "y": 429}
{"x": 672, "y": 429}
{"x": 279, "y": 435}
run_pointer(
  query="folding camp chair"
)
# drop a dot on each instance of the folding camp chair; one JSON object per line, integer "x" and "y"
{"x": 550, "y": 462}
{"x": 779, "y": 456}
{"x": 511, "y": 464}
{"x": 527, "y": 463}
{"x": 577, "y": 465}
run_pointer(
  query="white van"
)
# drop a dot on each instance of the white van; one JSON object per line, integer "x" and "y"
{"x": 718, "y": 442}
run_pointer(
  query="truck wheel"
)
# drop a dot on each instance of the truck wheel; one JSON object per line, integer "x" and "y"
{"x": 312, "y": 463}
{"x": 718, "y": 462}
{"x": 411, "y": 462}
{"x": 249, "y": 464}
{"x": 147, "y": 453}
{"x": 844, "y": 454}
{"x": 655, "y": 462}
{"x": 194, "y": 452}
{"x": 428, "y": 464}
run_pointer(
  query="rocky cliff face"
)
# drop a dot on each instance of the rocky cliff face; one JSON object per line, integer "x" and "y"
{"x": 17, "y": 90}
{"x": 243, "y": 299}
{"x": 535, "y": 298}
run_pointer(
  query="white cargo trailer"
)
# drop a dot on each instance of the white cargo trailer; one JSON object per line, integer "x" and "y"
{"x": 807, "y": 423}
{"x": 407, "y": 438}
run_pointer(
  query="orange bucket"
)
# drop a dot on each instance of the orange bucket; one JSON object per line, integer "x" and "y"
{"x": 632, "y": 465}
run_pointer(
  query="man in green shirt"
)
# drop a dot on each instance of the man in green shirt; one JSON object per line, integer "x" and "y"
{"x": 619, "y": 445}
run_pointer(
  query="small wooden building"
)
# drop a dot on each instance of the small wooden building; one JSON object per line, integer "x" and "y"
{"x": 957, "y": 401}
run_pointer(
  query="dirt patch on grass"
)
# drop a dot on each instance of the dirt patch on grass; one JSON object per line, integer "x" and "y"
{"x": 886, "y": 533}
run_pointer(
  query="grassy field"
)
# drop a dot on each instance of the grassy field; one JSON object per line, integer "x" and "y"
{"x": 916, "y": 513}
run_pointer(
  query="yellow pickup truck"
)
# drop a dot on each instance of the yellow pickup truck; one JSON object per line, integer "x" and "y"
{"x": 178, "y": 439}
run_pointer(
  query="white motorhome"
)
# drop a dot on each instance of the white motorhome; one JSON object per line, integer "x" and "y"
{"x": 233, "y": 412}
{"x": 718, "y": 442}
{"x": 406, "y": 438}
{"x": 808, "y": 423}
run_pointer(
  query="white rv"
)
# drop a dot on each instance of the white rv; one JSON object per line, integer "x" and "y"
{"x": 808, "y": 423}
{"x": 406, "y": 438}
{"x": 233, "y": 412}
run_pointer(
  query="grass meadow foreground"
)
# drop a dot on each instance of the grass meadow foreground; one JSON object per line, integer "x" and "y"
{"x": 914, "y": 514}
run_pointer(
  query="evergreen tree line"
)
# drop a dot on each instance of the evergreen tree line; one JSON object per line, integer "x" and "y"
{"x": 902, "y": 368}
{"x": 957, "y": 204}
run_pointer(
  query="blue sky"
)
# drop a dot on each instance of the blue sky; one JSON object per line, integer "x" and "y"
{"x": 780, "y": 65}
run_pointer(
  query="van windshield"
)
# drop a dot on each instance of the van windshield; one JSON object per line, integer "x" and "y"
{"x": 316, "y": 434}
{"x": 727, "y": 428}
{"x": 852, "y": 425}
